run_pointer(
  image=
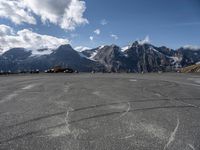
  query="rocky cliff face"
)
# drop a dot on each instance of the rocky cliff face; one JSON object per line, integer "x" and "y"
{"x": 136, "y": 57}
{"x": 64, "y": 55}
{"x": 146, "y": 58}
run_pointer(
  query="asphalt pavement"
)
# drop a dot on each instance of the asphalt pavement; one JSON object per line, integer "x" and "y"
{"x": 100, "y": 112}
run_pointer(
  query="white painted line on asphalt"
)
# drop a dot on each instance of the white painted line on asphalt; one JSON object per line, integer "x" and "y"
{"x": 127, "y": 137}
{"x": 9, "y": 97}
{"x": 157, "y": 94}
{"x": 97, "y": 93}
{"x": 28, "y": 87}
{"x": 173, "y": 134}
{"x": 16, "y": 93}
{"x": 133, "y": 80}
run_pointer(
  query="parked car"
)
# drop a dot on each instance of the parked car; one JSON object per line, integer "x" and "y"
{"x": 35, "y": 71}
{"x": 59, "y": 69}
{"x": 68, "y": 70}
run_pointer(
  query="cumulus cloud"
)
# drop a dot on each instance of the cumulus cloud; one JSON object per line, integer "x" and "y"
{"x": 104, "y": 22}
{"x": 68, "y": 14}
{"x": 192, "y": 47}
{"x": 5, "y": 30}
{"x": 145, "y": 41}
{"x": 16, "y": 11}
{"x": 97, "y": 31}
{"x": 91, "y": 38}
{"x": 27, "y": 39}
{"x": 114, "y": 36}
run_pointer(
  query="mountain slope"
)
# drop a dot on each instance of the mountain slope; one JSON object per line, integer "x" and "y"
{"x": 189, "y": 56}
{"x": 146, "y": 58}
{"x": 137, "y": 57}
{"x": 112, "y": 58}
{"x": 191, "y": 69}
{"x": 64, "y": 56}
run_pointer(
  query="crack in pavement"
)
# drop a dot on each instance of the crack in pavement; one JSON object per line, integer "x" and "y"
{"x": 92, "y": 117}
{"x": 173, "y": 135}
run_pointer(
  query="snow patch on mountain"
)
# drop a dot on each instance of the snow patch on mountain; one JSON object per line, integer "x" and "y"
{"x": 153, "y": 49}
{"x": 93, "y": 55}
{"x": 176, "y": 60}
{"x": 102, "y": 46}
{"x": 125, "y": 48}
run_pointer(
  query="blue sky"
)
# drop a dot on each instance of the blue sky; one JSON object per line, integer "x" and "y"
{"x": 173, "y": 23}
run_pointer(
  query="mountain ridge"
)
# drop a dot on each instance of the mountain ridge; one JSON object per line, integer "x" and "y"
{"x": 137, "y": 57}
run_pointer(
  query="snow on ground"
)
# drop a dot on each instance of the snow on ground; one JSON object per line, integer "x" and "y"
{"x": 93, "y": 55}
{"x": 176, "y": 59}
{"x": 125, "y": 48}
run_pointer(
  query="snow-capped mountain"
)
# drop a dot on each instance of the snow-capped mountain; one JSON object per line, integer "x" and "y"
{"x": 136, "y": 57}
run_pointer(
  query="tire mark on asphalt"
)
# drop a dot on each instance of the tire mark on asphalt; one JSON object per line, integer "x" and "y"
{"x": 74, "y": 110}
{"x": 172, "y": 136}
{"x": 185, "y": 103}
{"x": 30, "y": 133}
{"x": 88, "y": 118}
{"x": 124, "y": 102}
{"x": 120, "y": 102}
{"x": 35, "y": 119}
{"x": 134, "y": 110}
{"x": 91, "y": 107}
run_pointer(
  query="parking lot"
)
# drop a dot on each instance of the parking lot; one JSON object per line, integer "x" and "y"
{"x": 100, "y": 112}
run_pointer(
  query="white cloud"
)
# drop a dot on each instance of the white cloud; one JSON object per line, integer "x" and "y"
{"x": 81, "y": 48}
{"x": 192, "y": 47}
{"x": 97, "y": 31}
{"x": 114, "y": 36}
{"x": 5, "y": 30}
{"x": 68, "y": 14}
{"x": 91, "y": 38}
{"x": 16, "y": 11}
{"x": 104, "y": 22}
{"x": 145, "y": 41}
{"x": 27, "y": 39}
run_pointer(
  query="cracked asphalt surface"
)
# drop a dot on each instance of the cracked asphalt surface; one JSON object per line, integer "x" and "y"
{"x": 100, "y": 112}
